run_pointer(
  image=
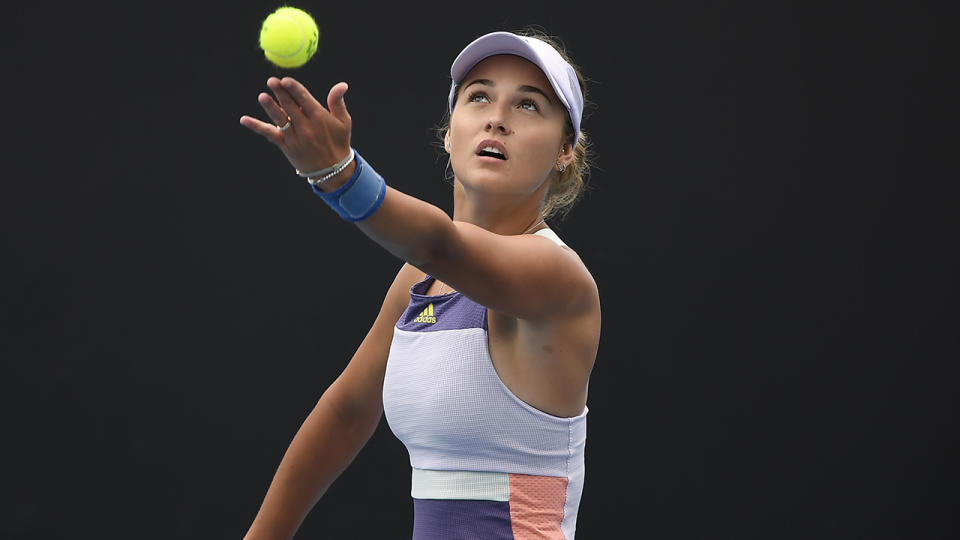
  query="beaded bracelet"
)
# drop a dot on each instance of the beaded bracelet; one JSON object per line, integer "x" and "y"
{"x": 329, "y": 172}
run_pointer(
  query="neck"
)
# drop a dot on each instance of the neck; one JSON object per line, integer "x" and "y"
{"x": 502, "y": 217}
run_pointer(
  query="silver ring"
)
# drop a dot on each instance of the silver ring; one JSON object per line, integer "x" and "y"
{"x": 286, "y": 126}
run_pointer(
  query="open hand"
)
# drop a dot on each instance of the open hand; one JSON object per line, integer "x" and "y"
{"x": 310, "y": 136}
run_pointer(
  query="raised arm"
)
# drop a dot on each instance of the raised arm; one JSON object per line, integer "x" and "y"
{"x": 340, "y": 424}
{"x": 522, "y": 276}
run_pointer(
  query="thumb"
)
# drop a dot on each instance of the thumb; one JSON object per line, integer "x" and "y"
{"x": 336, "y": 104}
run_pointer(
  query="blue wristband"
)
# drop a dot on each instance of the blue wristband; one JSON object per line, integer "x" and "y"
{"x": 360, "y": 196}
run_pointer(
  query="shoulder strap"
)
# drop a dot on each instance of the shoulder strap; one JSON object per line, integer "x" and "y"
{"x": 551, "y": 235}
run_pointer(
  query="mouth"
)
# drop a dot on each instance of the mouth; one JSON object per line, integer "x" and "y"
{"x": 492, "y": 149}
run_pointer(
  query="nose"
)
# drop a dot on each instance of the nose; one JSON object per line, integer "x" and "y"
{"x": 497, "y": 123}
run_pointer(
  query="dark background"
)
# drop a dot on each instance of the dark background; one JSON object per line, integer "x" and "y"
{"x": 769, "y": 226}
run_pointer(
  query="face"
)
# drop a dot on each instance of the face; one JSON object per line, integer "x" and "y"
{"x": 506, "y": 129}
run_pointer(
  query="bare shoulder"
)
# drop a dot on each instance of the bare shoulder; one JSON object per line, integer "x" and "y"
{"x": 574, "y": 324}
{"x": 546, "y": 360}
{"x": 398, "y": 295}
{"x": 580, "y": 285}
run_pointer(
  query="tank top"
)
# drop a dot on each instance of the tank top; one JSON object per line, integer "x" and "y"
{"x": 486, "y": 465}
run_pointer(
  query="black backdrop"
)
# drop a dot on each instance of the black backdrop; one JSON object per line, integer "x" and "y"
{"x": 767, "y": 225}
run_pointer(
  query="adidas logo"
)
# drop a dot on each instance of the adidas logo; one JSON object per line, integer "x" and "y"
{"x": 426, "y": 316}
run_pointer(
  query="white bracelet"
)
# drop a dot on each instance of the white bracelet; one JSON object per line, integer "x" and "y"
{"x": 335, "y": 170}
{"x": 346, "y": 161}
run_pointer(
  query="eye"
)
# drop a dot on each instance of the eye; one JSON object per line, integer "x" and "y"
{"x": 478, "y": 96}
{"x": 529, "y": 105}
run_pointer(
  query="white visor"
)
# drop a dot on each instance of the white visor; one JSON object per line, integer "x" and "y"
{"x": 561, "y": 74}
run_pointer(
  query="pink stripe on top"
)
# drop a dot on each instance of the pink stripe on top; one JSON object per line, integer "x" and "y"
{"x": 536, "y": 506}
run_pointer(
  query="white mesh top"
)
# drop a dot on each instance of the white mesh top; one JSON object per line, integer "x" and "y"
{"x": 444, "y": 400}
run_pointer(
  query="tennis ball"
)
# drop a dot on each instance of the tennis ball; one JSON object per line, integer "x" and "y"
{"x": 289, "y": 37}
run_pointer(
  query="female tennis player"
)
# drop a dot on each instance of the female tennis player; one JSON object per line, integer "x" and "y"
{"x": 482, "y": 351}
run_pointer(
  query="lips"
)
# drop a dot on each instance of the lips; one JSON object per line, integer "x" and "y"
{"x": 492, "y": 148}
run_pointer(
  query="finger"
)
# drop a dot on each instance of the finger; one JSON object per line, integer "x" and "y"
{"x": 273, "y": 110}
{"x": 301, "y": 96}
{"x": 336, "y": 103}
{"x": 288, "y": 104}
{"x": 269, "y": 131}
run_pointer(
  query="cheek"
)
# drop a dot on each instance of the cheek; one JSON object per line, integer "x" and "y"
{"x": 542, "y": 154}
{"x": 459, "y": 132}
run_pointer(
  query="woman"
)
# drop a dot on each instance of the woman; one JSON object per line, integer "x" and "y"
{"x": 481, "y": 354}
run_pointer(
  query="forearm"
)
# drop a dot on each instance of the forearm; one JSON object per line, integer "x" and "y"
{"x": 411, "y": 229}
{"x": 323, "y": 447}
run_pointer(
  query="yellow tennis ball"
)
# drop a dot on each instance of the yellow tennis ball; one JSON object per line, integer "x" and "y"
{"x": 289, "y": 37}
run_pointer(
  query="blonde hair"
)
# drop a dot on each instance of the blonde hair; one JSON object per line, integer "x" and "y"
{"x": 567, "y": 187}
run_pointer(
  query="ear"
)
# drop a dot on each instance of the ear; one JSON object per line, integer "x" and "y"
{"x": 446, "y": 141}
{"x": 566, "y": 156}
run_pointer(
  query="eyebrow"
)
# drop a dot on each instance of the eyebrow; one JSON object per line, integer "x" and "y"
{"x": 521, "y": 88}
